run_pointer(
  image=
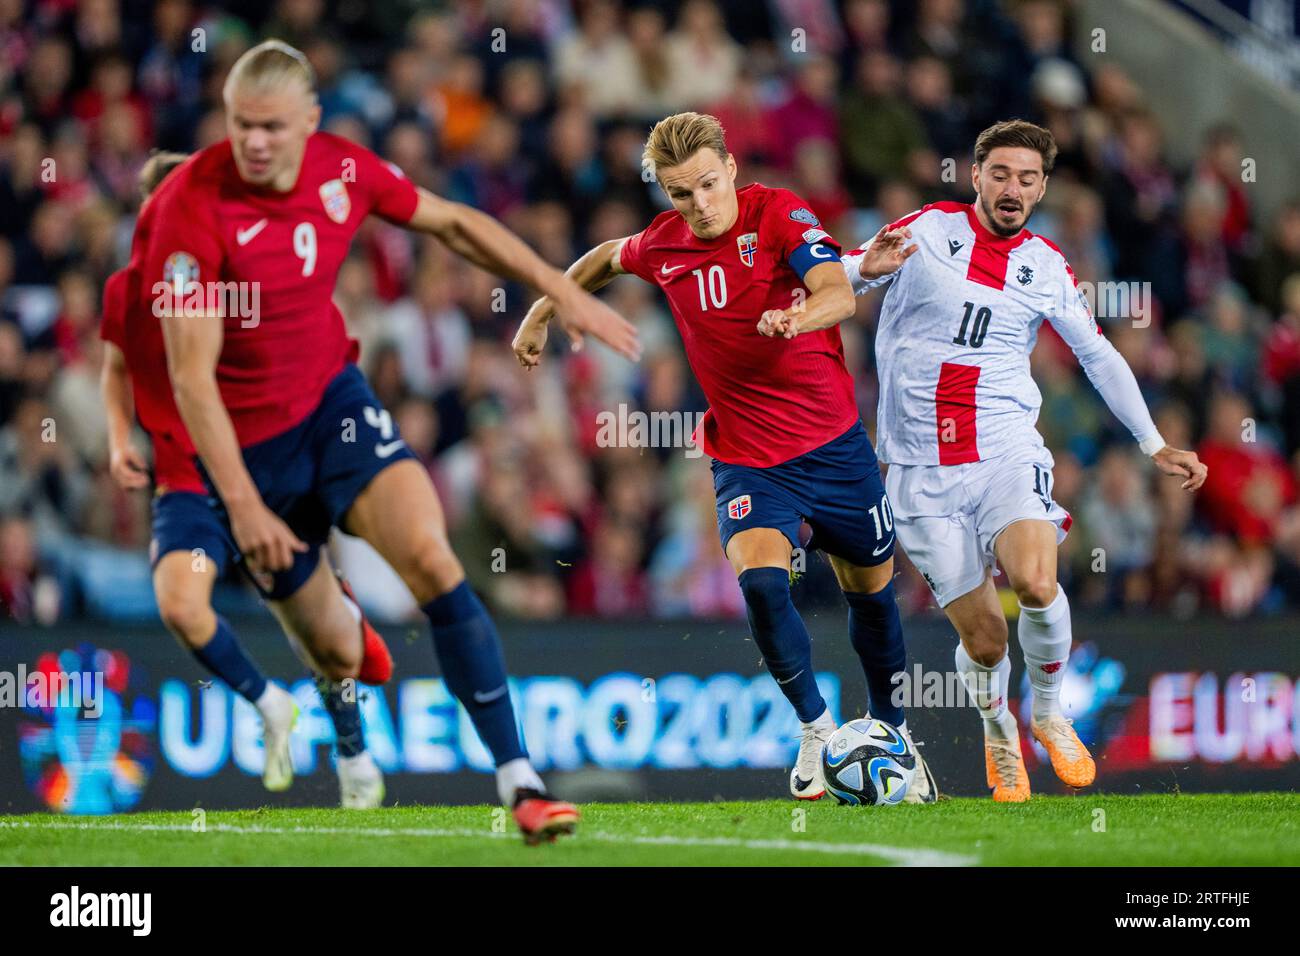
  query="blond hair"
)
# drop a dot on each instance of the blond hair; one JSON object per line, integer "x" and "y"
{"x": 677, "y": 138}
{"x": 267, "y": 67}
{"x": 157, "y": 168}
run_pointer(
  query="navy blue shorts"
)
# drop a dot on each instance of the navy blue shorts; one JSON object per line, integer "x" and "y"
{"x": 187, "y": 521}
{"x": 836, "y": 488}
{"x": 311, "y": 474}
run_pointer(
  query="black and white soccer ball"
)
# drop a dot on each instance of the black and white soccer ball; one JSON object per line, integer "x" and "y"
{"x": 868, "y": 762}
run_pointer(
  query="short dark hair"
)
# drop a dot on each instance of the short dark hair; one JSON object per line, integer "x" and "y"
{"x": 1020, "y": 134}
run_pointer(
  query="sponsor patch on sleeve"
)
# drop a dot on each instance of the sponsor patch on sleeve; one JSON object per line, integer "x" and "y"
{"x": 180, "y": 269}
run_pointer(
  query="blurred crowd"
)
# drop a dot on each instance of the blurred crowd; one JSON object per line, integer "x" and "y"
{"x": 535, "y": 111}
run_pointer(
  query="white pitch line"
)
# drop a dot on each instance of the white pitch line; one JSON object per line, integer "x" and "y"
{"x": 899, "y": 856}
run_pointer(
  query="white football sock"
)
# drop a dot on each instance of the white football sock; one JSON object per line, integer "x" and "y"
{"x": 1045, "y": 640}
{"x": 987, "y": 688}
{"x": 513, "y": 775}
{"x": 822, "y": 721}
{"x": 274, "y": 702}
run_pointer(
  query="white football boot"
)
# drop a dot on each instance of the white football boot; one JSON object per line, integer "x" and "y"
{"x": 923, "y": 788}
{"x": 361, "y": 784}
{"x": 807, "y": 782}
{"x": 279, "y": 714}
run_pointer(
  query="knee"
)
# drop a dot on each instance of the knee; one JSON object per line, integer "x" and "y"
{"x": 986, "y": 640}
{"x": 431, "y": 568}
{"x": 333, "y": 642}
{"x": 1036, "y": 590}
{"x": 766, "y": 590}
{"x": 335, "y": 664}
{"x": 193, "y": 622}
{"x": 865, "y": 580}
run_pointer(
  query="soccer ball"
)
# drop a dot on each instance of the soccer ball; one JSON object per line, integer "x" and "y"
{"x": 868, "y": 762}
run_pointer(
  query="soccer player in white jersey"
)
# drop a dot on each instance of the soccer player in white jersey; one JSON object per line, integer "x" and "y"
{"x": 969, "y": 478}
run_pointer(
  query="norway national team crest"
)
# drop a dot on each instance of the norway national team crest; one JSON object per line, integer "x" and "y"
{"x": 334, "y": 196}
{"x": 738, "y": 508}
{"x": 748, "y": 245}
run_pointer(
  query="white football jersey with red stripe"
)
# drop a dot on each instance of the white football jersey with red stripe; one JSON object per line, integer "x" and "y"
{"x": 956, "y": 329}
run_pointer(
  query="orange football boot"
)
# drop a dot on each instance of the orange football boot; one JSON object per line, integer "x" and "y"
{"x": 1070, "y": 758}
{"x": 1005, "y": 769}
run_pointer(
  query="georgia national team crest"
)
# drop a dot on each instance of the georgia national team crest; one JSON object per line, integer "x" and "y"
{"x": 738, "y": 508}
{"x": 748, "y": 245}
{"x": 334, "y": 196}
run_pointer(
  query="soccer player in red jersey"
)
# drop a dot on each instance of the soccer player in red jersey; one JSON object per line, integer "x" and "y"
{"x": 290, "y": 436}
{"x": 191, "y": 548}
{"x": 782, "y": 428}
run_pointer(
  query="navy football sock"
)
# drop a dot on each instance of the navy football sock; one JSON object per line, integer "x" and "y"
{"x": 224, "y": 657}
{"x": 877, "y": 635}
{"x": 344, "y": 713}
{"x": 469, "y": 653}
{"x": 780, "y": 634}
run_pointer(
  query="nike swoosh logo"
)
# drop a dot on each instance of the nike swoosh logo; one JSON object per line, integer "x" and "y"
{"x": 800, "y": 783}
{"x": 490, "y": 696}
{"x": 385, "y": 451}
{"x": 788, "y": 679}
{"x": 664, "y": 270}
{"x": 881, "y": 550}
{"x": 245, "y": 236}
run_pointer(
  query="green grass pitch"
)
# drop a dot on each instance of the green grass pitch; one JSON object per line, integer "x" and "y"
{"x": 1085, "y": 830}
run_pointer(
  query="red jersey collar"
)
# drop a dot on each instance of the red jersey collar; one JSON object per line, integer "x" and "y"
{"x": 985, "y": 237}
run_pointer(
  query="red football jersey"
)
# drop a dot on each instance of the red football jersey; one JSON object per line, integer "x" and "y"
{"x": 771, "y": 399}
{"x": 284, "y": 339}
{"x": 128, "y": 322}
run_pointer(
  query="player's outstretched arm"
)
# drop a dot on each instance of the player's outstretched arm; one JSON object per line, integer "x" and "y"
{"x": 126, "y": 465}
{"x": 593, "y": 271}
{"x": 193, "y": 346}
{"x": 488, "y": 244}
{"x": 830, "y": 301}
{"x": 1115, "y": 382}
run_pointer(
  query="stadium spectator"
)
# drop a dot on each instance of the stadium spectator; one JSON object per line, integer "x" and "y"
{"x": 880, "y": 131}
{"x": 700, "y": 49}
{"x": 545, "y": 131}
{"x": 1119, "y": 517}
{"x": 18, "y": 569}
{"x": 1280, "y": 258}
{"x": 1252, "y": 484}
{"x": 808, "y": 113}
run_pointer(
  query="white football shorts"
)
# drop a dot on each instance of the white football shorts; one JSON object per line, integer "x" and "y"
{"x": 948, "y": 517}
